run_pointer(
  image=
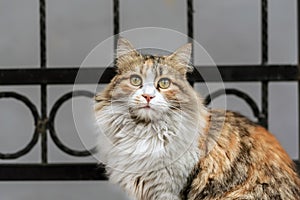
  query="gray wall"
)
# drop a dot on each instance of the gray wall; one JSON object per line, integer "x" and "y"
{"x": 228, "y": 30}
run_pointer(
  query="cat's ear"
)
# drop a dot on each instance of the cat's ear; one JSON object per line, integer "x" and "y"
{"x": 182, "y": 56}
{"x": 126, "y": 54}
{"x": 125, "y": 48}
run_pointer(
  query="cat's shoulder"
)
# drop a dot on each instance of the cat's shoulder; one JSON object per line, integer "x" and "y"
{"x": 230, "y": 117}
{"x": 234, "y": 121}
{"x": 230, "y": 124}
{"x": 228, "y": 127}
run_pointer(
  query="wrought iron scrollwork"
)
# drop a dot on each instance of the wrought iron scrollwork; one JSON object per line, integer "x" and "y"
{"x": 36, "y": 118}
{"x": 239, "y": 94}
{"x": 43, "y": 124}
{"x": 51, "y": 124}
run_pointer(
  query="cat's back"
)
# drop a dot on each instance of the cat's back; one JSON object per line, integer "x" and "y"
{"x": 243, "y": 161}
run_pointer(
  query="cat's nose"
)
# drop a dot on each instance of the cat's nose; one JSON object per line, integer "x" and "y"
{"x": 148, "y": 97}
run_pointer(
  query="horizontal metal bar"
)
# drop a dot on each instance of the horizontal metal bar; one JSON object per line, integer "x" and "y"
{"x": 246, "y": 73}
{"x": 51, "y": 172}
{"x": 58, "y": 172}
{"x": 89, "y": 75}
{"x": 54, "y": 76}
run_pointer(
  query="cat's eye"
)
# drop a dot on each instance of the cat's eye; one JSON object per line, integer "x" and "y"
{"x": 164, "y": 83}
{"x": 136, "y": 80}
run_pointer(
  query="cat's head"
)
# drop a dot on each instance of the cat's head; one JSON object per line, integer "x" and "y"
{"x": 149, "y": 86}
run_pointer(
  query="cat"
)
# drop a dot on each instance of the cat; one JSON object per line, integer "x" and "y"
{"x": 158, "y": 140}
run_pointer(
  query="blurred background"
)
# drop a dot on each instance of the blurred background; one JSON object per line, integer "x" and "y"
{"x": 228, "y": 30}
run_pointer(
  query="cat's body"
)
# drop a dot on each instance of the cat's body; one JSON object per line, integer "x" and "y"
{"x": 247, "y": 162}
{"x": 158, "y": 141}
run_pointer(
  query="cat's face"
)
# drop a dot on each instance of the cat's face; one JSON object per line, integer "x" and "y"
{"x": 150, "y": 87}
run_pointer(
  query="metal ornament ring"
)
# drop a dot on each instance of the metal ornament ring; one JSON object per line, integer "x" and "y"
{"x": 35, "y": 114}
{"x": 51, "y": 124}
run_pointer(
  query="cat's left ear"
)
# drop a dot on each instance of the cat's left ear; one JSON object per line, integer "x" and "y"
{"x": 126, "y": 54}
{"x": 182, "y": 56}
{"x": 125, "y": 48}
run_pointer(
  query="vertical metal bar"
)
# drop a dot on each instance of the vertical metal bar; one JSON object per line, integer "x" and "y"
{"x": 298, "y": 48}
{"x": 264, "y": 31}
{"x": 190, "y": 28}
{"x": 190, "y": 24}
{"x": 43, "y": 64}
{"x": 116, "y": 10}
{"x": 264, "y": 54}
{"x": 265, "y": 104}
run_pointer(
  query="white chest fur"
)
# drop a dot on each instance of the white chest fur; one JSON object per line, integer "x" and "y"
{"x": 148, "y": 159}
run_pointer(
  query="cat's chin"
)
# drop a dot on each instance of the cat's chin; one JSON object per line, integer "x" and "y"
{"x": 147, "y": 113}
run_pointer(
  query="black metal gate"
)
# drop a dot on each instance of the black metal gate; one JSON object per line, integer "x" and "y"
{"x": 44, "y": 124}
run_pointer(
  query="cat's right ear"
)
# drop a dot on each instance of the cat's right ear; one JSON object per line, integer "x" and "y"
{"x": 126, "y": 53}
{"x": 125, "y": 48}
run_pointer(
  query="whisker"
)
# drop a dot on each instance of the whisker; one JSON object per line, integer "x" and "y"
{"x": 119, "y": 100}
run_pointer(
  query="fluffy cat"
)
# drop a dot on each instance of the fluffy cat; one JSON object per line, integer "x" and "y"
{"x": 158, "y": 141}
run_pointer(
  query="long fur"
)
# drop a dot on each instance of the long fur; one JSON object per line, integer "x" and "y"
{"x": 171, "y": 147}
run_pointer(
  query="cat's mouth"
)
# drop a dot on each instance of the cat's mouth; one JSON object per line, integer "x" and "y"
{"x": 147, "y": 112}
{"x": 145, "y": 106}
